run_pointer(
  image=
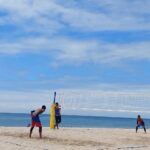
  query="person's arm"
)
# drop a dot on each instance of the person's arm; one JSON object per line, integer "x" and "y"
{"x": 60, "y": 111}
{"x": 143, "y": 122}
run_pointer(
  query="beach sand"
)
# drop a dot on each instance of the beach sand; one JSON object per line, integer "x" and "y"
{"x": 16, "y": 138}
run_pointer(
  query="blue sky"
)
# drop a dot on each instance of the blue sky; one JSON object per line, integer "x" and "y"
{"x": 75, "y": 47}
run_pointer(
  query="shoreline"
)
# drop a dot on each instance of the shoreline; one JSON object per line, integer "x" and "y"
{"x": 12, "y": 138}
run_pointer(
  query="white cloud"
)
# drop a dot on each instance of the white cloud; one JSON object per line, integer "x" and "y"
{"x": 79, "y": 51}
{"x": 51, "y": 16}
{"x": 22, "y": 101}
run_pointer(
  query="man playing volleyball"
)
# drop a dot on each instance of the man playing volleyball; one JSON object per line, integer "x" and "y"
{"x": 140, "y": 122}
{"x": 36, "y": 121}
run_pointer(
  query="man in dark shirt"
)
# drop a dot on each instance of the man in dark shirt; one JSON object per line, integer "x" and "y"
{"x": 140, "y": 122}
{"x": 57, "y": 115}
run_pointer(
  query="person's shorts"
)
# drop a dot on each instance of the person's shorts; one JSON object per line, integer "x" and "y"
{"x": 140, "y": 125}
{"x": 37, "y": 124}
{"x": 58, "y": 119}
{"x": 36, "y": 121}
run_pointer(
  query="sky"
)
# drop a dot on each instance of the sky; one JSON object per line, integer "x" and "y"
{"x": 94, "y": 53}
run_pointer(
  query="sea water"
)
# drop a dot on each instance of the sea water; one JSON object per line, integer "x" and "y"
{"x": 22, "y": 120}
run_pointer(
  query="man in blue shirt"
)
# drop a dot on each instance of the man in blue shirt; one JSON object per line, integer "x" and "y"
{"x": 57, "y": 115}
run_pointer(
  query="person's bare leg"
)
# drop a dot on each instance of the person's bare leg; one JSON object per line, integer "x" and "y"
{"x": 57, "y": 125}
{"x": 31, "y": 129}
{"x": 144, "y": 129}
{"x": 136, "y": 129}
{"x": 40, "y": 132}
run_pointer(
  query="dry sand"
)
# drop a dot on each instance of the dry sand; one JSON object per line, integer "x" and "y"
{"x": 74, "y": 139}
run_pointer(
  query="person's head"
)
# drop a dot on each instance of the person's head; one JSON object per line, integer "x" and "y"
{"x": 57, "y": 104}
{"x": 43, "y": 107}
{"x": 139, "y": 116}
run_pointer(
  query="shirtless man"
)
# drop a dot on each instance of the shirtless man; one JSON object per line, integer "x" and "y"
{"x": 36, "y": 121}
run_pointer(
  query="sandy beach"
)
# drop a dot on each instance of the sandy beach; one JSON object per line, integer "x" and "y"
{"x": 16, "y": 138}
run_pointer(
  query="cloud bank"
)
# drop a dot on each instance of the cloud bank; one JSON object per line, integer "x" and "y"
{"x": 71, "y": 51}
{"x": 80, "y": 101}
{"x": 53, "y": 14}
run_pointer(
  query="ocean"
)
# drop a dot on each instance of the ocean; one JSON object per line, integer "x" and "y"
{"x": 22, "y": 120}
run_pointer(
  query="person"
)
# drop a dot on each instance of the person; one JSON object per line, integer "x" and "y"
{"x": 140, "y": 123}
{"x": 57, "y": 115}
{"x": 36, "y": 120}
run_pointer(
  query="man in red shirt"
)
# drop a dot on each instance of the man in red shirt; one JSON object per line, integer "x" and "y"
{"x": 140, "y": 123}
